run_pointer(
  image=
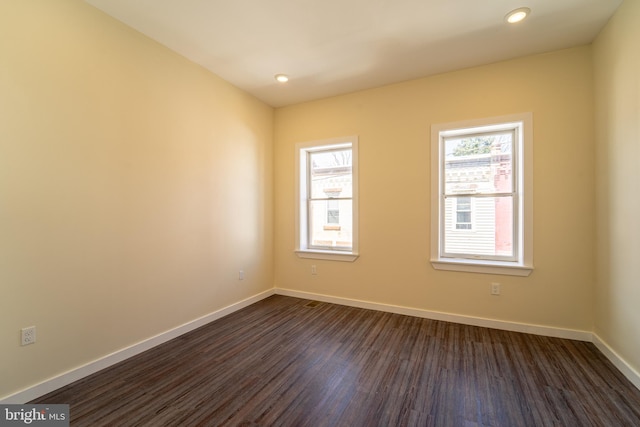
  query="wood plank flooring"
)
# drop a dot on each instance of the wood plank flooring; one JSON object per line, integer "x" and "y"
{"x": 280, "y": 362}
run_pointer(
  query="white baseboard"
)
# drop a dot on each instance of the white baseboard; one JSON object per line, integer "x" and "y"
{"x": 447, "y": 317}
{"x": 80, "y": 372}
{"x": 626, "y": 369}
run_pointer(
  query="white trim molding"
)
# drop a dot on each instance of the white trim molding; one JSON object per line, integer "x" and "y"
{"x": 327, "y": 255}
{"x": 303, "y": 246}
{"x": 548, "y": 331}
{"x": 626, "y": 369}
{"x": 85, "y": 370}
{"x": 521, "y": 263}
{"x": 485, "y": 267}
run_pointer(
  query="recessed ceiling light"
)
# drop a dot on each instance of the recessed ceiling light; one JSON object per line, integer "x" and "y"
{"x": 517, "y": 15}
{"x": 282, "y": 78}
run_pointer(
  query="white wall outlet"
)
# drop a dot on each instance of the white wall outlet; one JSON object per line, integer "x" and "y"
{"x": 241, "y": 275}
{"x": 495, "y": 288}
{"x": 28, "y": 335}
{"x": 314, "y": 270}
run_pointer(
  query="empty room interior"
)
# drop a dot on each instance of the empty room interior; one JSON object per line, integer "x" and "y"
{"x": 157, "y": 178}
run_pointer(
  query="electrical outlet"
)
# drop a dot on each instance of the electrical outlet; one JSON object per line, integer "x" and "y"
{"x": 28, "y": 335}
{"x": 495, "y": 288}
{"x": 314, "y": 270}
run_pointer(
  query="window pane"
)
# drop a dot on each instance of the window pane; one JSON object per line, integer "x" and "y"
{"x": 464, "y": 204}
{"x": 333, "y": 212}
{"x": 463, "y": 217}
{"x": 330, "y": 223}
{"x": 479, "y": 164}
{"x": 331, "y": 174}
{"x": 491, "y": 233}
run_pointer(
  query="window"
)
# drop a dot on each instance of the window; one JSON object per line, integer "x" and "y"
{"x": 333, "y": 211}
{"x": 327, "y": 204}
{"x": 463, "y": 213}
{"x": 482, "y": 192}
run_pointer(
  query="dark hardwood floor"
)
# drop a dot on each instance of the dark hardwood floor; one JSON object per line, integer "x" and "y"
{"x": 280, "y": 362}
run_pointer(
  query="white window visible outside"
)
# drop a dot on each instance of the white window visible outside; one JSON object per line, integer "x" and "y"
{"x": 326, "y": 217}
{"x": 482, "y": 195}
{"x": 463, "y": 213}
{"x": 333, "y": 212}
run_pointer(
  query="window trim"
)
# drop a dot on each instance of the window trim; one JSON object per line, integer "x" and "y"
{"x": 523, "y": 266}
{"x": 302, "y": 248}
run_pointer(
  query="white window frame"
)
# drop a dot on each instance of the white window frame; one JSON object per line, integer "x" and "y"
{"x": 522, "y": 265}
{"x": 303, "y": 249}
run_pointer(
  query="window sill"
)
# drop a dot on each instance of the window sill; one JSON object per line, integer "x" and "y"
{"x": 486, "y": 267}
{"x": 327, "y": 255}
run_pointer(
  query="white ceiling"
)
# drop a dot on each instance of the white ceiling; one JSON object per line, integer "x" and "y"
{"x": 331, "y": 47}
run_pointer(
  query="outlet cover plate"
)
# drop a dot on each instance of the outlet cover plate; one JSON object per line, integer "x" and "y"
{"x": 28, "y": 335}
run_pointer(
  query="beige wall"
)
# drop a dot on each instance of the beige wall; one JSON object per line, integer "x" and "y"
{"x": 617, "y": 77}
{"x": 133, "y": 187}
{"x": 393, "y": 124}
